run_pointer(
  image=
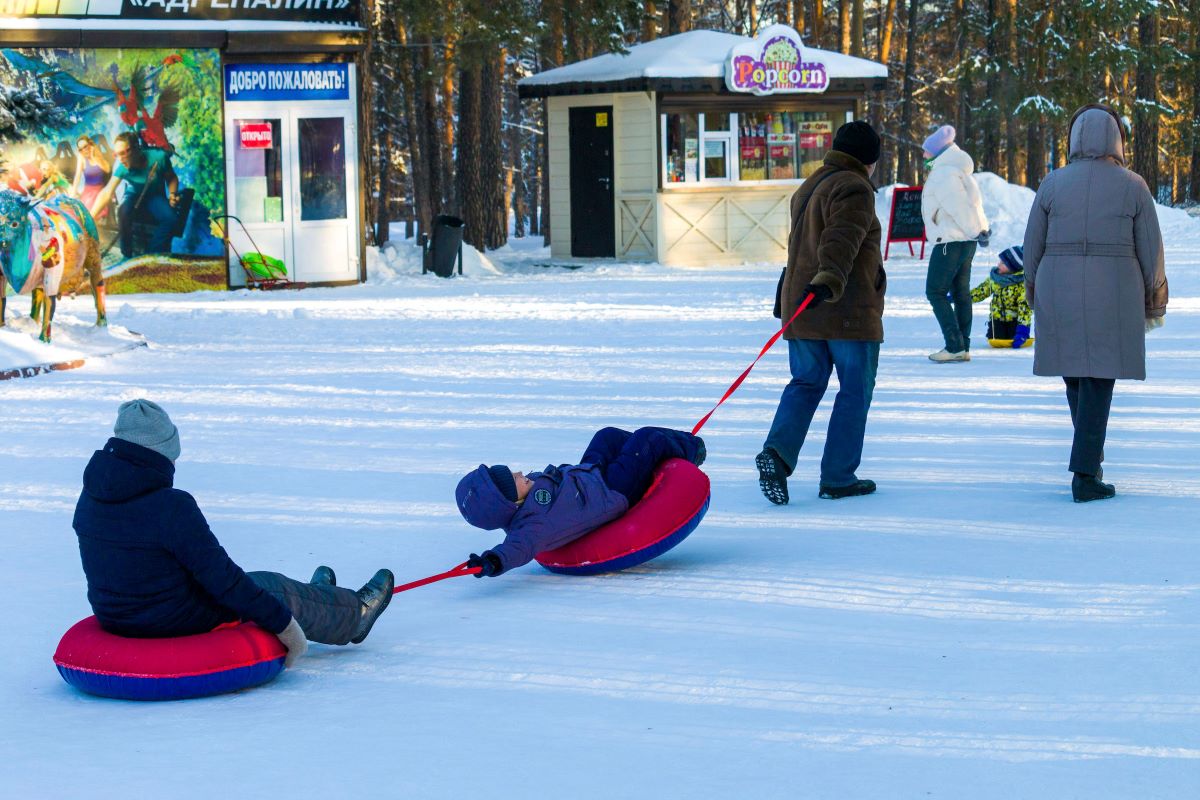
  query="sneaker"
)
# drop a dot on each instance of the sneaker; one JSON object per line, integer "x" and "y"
{"x": 324, "y": 576}
{"x": 772, "y": 476}
{"x": 374, "y": 598}
{"x": 701, "y": 452}
{"x": 1086, "y": 488}
{"x": 944, "y": 356}
{"x": 853, "y": 490}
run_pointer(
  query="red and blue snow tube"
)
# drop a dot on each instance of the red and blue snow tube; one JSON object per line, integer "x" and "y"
{"x": 670, "y": 510}
{"x": 229, "y": 658}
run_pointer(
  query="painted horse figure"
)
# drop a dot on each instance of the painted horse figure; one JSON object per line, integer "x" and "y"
{"x": 46, "y": 247}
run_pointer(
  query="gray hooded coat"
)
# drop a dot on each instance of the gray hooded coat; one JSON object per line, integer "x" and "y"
{"x": 1093, "y": 260}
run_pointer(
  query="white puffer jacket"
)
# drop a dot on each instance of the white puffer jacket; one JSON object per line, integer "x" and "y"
{"x": 950, "y": 202}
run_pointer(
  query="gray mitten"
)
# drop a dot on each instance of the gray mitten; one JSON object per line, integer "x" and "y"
{"x": 295, "y": 641}
{"x": 1154, "y": 322}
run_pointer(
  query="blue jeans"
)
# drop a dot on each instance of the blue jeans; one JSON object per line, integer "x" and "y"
{"x": 627, "y": 460}
{"x": 812, "y": 362}
{"x": 948, "y": 284}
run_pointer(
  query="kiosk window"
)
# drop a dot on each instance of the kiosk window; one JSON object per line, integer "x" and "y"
{"x": 258, "y": 171}
{"x": 783, "y": 145}
{"x": 322, "y": 144}
{"x": 697, "y": 147}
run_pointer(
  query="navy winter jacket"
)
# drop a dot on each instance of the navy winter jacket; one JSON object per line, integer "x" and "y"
{"x": 153, "y": 566}
{"x": 565, "y": 503}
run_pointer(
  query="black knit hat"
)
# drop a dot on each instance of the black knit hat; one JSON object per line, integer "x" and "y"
{"x": 858, "y": 139}
{"x": 1014, "y": 258}
{"x": 503, "y": 478}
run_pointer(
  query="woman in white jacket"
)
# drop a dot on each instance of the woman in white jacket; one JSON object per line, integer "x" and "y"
{"x": 954, "y": 225}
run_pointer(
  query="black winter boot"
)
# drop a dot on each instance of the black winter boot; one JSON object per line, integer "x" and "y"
{"x": 855, "y": 489}
{"x": 772, "y": 476}
{"x": 701, "y": 452}
{"x": 1085, "y": 488}
{"x": 374, "y": 596}
{"x": 324, "y": 576}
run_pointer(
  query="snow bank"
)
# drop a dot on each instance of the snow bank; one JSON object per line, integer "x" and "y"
{"x": 74, "y": 339}
{"x": 400, "y": 258}
{"x": 1007, "y": 208}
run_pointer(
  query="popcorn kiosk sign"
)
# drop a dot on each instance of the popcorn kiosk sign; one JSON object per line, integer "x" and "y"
{"x": 773, "y": 64}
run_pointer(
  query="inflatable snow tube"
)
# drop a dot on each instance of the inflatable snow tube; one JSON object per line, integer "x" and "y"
{"x": 1007, "y": 343}
{"x": 671, "y": 509}
{"x": 223, "y": 660}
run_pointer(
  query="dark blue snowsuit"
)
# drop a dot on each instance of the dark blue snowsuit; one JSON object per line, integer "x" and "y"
{"x": 569, "y": 501}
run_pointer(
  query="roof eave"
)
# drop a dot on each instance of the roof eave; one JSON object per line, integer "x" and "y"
{"x": 679, "y": 85}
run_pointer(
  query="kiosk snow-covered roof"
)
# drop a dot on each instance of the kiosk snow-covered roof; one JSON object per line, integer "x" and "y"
{"x": 691, "y": 61}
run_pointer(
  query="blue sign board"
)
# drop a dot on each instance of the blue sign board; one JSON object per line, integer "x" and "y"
{"x": 257, "y": 82}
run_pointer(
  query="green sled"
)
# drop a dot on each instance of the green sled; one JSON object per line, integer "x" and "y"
{"x": 265, "y": 267}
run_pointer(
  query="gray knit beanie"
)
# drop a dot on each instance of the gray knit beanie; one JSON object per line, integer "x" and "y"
{"x": 145, "y": 423}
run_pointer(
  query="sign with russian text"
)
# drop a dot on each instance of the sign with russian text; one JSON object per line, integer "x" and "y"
{"x": 274, "y": 82}
{"x": 255, "y": 135}
{"x": 340, "y": 11}
{"x": 773, "y": 63}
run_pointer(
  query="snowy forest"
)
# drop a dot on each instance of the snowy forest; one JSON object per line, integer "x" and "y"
{"x": 453, "y": 137}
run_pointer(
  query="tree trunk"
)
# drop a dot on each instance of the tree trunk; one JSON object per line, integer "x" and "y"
{"x": 856, "y": 29}
{"x": 818, "y": 21}
{"x": 446, "y": 106}
{"x": 552, "y": 56}
{"x": 905, "y": 172}
{"x": 679, "y": 14}
{"x": 1194, "y": 173}
{"x": 1012, "y": 147}
{"x": 472, "y": 195}
{"x": 1145, "y": 112}
{"x": 991, "y": 121}
{"x": 1035, "y": 155}
{"x": 966, "y": 80}
{"x": 649, "y": 21}
{"x": 885, "y": 33}
{"x": 843, "y": 26}
{"x": 407, "y": 68}
{"x": 796, "y": 15}
{"x": 491, "y": 149}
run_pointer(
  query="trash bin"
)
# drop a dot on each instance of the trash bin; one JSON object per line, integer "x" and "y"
{"x": 445, "y": 246}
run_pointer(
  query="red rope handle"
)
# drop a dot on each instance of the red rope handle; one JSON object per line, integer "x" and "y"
{"x": 770, "y": 343}
{"x": 456, "y": 572}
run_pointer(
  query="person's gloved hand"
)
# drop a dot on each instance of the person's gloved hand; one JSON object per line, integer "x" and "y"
{"x": 984, "y": 238}
{"x": 488, "y": 563}
{"x": 1154, "y": 322}
{"x": 1021, "y": 336}
{"x": 820, "y": 292}
{"x": 295, "y": 641}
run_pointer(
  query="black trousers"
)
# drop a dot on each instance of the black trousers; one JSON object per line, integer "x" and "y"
{"x": 1090, "y": 400}
{"x": 328, "y": 614}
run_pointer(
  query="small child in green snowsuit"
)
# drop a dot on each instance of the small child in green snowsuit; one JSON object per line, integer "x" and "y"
{"x": 1009, "y": 315}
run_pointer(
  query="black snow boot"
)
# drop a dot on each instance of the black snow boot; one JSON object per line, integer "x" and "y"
{"x": 374, "y": 597}
{"x": 701, "y": 452}
{"x": 324, "y": 576}
{"x": 1085, "y": 488}
{"x": 772, "y": 476}
{"x": 855, "y": 489}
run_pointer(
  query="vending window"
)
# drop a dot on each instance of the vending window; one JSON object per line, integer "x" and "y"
{"x": 783, "y": 145}
{"x": 698, "y": 148}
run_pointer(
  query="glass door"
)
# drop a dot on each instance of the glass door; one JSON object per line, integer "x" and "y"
{"x": 325, "y": 196}
{"x": 256, "y": 158}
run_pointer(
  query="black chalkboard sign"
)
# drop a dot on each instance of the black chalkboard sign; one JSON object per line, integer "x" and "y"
{"x": 906, "y": 223}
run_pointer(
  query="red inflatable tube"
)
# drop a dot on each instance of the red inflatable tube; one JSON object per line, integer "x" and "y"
{"x": 670, "y": 510}
{"x": 223, "y": 660}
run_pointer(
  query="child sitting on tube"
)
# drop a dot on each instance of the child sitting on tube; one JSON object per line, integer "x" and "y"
{"x": 548, "y": 509}
{"x": 1009, "y": 315}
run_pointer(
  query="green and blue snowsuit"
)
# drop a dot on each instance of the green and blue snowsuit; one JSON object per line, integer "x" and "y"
{"x": 1009, "y": 315}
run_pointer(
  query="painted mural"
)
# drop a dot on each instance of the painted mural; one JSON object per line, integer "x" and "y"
{"x": 138, "y": 141}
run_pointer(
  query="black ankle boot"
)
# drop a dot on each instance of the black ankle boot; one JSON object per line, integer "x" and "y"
{"x": 856, "y": 489}
{"x": 374, "y": 598}
{"x": 772, "y": 476}
{"x": 324, "y": 576}
{"x": 1085, "y": 488}
{"x": 701, "y": 452}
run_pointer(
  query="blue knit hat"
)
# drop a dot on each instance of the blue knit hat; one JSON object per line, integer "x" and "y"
{"x": 482, "y": 502}
{"x": 1013, "y": 258}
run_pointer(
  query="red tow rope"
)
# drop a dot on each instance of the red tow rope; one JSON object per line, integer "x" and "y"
{"x": 456, "y": 572}
{"x": 462, "y": 569}
{"x": 770, "y": 343}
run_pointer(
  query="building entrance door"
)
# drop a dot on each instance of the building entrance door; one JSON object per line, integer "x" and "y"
{"x": 292, "y": 175}
{"x": 593, "y": 213}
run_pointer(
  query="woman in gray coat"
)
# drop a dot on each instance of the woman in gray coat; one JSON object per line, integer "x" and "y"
{"x": 1094, "y": 275}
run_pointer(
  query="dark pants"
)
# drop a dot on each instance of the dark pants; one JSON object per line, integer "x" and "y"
{"x": 948, "y": 289}
{"x": 812, "y": 362}
{"x": 1090, "y": 400}
{"x": 328, "y": 614}
{"x": 627, "y": 460}
{"x": 153, "y": 209}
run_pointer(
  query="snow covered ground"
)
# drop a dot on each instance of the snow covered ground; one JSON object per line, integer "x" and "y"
{"x": 965, "y": 632}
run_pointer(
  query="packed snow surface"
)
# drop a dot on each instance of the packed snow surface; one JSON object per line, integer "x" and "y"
{"x": 967, "y": 631}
